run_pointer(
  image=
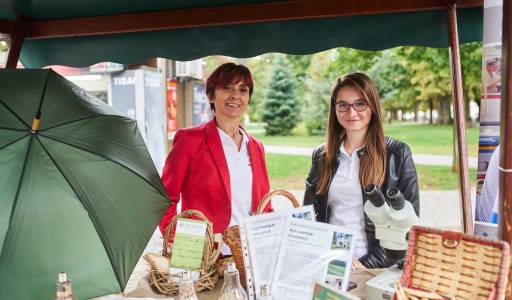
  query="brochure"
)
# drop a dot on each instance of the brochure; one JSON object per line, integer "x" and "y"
{"x": 322, "y": 291}
{"x": 262, "y": 235}
{"x": 311, "y": 252}
{"x": 187, "y": 250}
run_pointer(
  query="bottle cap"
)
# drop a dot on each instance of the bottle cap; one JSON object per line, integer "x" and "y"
{"x": 63, "y": 277}
{"x": 231, "y": 266}
{"x": 185, "y": 275}
{"x": 265, "y": 289}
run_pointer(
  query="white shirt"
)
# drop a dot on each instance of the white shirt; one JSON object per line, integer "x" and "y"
{"x": 240, "y": 176}
{"x": 346, "y": 199}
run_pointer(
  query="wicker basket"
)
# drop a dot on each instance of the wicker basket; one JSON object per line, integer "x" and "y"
{"x": 232, "y": 234}
{"x": 454, "y": 265}
{"x": 159, "y": 277}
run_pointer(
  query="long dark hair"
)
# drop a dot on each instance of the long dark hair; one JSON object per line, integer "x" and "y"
{"x": 373, "y": 162}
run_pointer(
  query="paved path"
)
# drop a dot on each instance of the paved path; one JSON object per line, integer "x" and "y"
{"x": 419, "y": 159}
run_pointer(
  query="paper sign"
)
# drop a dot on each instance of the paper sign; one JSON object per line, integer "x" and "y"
{"x": 187, "y": 250}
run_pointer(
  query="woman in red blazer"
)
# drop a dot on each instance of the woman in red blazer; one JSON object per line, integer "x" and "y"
{"x": 197, "y": 170}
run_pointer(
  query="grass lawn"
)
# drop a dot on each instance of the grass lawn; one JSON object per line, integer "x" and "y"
{"x": 425, "y": 139}
{"x": 289, "y": 172}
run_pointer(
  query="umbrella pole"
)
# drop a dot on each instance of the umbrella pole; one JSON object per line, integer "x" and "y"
{"x": 505, "y": 195}
{"x": 17, "y": 38}
{"x": 460, "y": 126}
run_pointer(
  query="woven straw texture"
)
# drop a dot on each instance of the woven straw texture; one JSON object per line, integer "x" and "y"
{"x": 159, "y": 277}
{"x": 455, "y": 265}
{"x": 232, "y": 234}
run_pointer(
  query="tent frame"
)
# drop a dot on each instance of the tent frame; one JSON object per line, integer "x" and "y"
{"x": 22, "y": 29}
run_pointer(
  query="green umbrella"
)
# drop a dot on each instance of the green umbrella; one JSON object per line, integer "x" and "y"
{"x": 78, "y": 191}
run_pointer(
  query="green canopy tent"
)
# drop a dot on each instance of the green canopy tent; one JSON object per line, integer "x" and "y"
{"x": 81, "y": 33}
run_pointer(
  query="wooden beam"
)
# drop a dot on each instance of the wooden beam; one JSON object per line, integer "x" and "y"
{"x": 505, "y": 186}
{"x": 227, "y": 15}
{"x": 17, "y": 39}
{"x": 460, "y": 126}
{"x": 6, "y": 26}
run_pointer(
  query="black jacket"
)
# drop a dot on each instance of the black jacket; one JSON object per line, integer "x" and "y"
{"x": 400, "y": 173}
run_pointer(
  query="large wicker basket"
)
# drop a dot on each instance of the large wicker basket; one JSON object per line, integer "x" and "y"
{"x": 159, "y": 277}
{"x": 232, "y": 234}
{"x": 454, "y": 266}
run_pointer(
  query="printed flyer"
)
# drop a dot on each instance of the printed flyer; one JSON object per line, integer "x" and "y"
{"x": 312, "y": 252}
{"x": 264, "y": 234}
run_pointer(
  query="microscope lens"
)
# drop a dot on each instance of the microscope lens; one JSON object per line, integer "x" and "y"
{"x": 374, "y": 195}
{"x": 396, "y": 199}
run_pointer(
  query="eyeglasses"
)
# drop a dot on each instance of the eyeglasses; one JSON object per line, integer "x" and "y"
{"x": 358, "y": 106}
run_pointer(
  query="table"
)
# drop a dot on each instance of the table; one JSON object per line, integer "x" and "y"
{"x": 359, "y": 276}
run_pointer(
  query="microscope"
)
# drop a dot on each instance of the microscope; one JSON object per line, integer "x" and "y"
{"x": 393, "y": 217}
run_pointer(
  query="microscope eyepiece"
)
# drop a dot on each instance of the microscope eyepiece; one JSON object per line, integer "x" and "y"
{"x": 375, "y": 195}
{"x": 396, "y": 199}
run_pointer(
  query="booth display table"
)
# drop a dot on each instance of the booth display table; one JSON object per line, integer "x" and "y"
{"x": 359, "y": 276}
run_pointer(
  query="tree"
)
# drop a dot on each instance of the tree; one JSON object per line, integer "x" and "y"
{"x": 261, "y": 70}
{"x": 393, "y": 80}
{"x": 471, "y": 64}
{"x": 317, "y": 91}
{"x": 260, "y": 67}
{"x": 281, "y": 108}
{"x": 430, "y": 76}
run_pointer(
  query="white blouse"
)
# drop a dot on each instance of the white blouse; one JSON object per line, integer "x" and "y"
{"x": 240, "y": 179}
{"x": 345, "y": 199}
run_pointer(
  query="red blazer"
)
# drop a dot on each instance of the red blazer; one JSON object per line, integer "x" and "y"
{"x": 196, "y": 169}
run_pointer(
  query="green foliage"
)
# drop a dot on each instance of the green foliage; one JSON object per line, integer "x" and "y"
{"x": 392, "y": 78}
{"x": 351, "y": 60}
{"x": 300, "y": 65}
{"x": 281, "y": 109}
{"x": 471, "y": 63}
{"x": 430, "y": 71}
{"x": 317, "y": 94}
{"x": 3, "y": 46}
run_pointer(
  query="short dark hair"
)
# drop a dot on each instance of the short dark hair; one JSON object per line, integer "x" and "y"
{"x": 225, "y": 74}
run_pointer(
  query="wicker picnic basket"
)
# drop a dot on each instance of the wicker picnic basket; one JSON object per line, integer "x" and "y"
{"x": 452, "y": 265}
{"x": 232, "y": 234}
{"x": 168, "y": 284}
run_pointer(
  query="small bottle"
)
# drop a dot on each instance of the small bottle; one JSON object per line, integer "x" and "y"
{"x": 232, "y": 289}
{"x": 64, "y": 291}
{"x": 187, "y": 290}
{"x": 265, "y": 293}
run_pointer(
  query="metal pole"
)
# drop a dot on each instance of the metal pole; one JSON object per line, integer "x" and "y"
{"x": 458, "y": 109}
{"x": 505, "y": 195}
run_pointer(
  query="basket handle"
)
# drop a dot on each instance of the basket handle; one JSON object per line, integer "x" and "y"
{"x": 266, "y": 199}
{"x": 185, "y": 214}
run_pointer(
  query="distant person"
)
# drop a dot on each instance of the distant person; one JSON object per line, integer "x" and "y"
{"x": 356, "y": 154}
{"x": 492, "y": 78}
{"x": 487, "y": 205}
{"x": 217, "y": 167}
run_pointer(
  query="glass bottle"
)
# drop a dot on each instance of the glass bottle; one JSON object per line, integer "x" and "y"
{"x": 265, "y": 293}
{"x": 64, "y": 290}
{"x": 232, "y": 289}
{"x": 187, "y": 290}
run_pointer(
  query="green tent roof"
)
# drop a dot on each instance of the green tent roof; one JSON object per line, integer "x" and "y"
{"x": 368, "y": 32}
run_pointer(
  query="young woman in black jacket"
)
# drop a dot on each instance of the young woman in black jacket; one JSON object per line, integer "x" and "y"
{"x": 355, "y": 155}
